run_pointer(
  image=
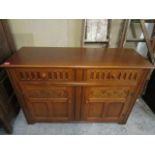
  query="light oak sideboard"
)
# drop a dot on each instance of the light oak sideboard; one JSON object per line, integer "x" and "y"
{"x": 77, "y": 84}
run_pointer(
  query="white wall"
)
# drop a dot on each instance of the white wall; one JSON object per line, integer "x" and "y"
{"x": 46, "y": 32}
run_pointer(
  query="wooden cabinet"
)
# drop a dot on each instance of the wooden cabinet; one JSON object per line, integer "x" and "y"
{"x": 77, "y": 84}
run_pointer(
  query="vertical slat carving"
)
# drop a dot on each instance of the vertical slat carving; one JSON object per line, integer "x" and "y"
{"x": 61, "y": 76}
{"x": 102, "y": 75}
{"x": 92, "y": 75}
{"x": 66, "y": 75}
{"x": 129, "y": 75}
{"x": 21, "y": 75}
{"x": 124, "y": 76}
{"x": 27, "y": 75}
{"x": 38, "y": 76}
{"x": 97, "y": 75}
{"x": 46, "y": 75}
{"x": 135, "y": 76}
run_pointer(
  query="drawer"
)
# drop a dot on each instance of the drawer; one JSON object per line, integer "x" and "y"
{"x": 113, "y": 75}
{"x": 35, "y": 74}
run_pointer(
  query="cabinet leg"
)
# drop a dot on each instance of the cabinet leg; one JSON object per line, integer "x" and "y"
{"x": 30, "y": 122}
{"x": 123, "y": 121}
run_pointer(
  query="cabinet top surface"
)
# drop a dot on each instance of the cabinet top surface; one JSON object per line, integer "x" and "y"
{"x": 77, "y": 58}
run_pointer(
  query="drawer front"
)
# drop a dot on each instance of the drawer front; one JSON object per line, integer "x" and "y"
{"x": 44, "y": 74}
{"x": 129, "y": 76}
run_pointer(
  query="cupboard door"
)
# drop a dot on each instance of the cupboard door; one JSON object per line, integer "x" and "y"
{"x": 105, "y": 103}
{"x": 49, "y": 103}
{"x": 50, "y": 110}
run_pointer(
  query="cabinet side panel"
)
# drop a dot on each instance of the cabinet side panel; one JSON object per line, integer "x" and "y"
{"x": 137, "y": 93}
{"x": 18, "y": 92}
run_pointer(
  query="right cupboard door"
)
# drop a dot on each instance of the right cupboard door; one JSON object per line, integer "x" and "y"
{"x": 105, "y": 103}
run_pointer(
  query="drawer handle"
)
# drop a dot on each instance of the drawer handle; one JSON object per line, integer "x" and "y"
{"x": 113, "y": 76}
{"x": 44, "y": 75}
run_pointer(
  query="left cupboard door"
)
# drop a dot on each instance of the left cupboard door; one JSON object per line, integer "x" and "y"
{"x": 49, "y": 103}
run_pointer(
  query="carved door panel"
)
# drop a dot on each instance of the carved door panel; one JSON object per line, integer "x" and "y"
{"x": 105, "y": 103}
{"x": 49, "y": 103}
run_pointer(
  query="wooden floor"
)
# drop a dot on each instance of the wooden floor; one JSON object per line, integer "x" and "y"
{"x": 141, "y": 121}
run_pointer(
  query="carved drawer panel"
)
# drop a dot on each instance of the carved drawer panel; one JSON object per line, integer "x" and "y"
{"x": 126, "y": 75}
{"x": 44, "y": 74}
{"x": 44, "y": 91}
{"x": 107, "y": 93}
